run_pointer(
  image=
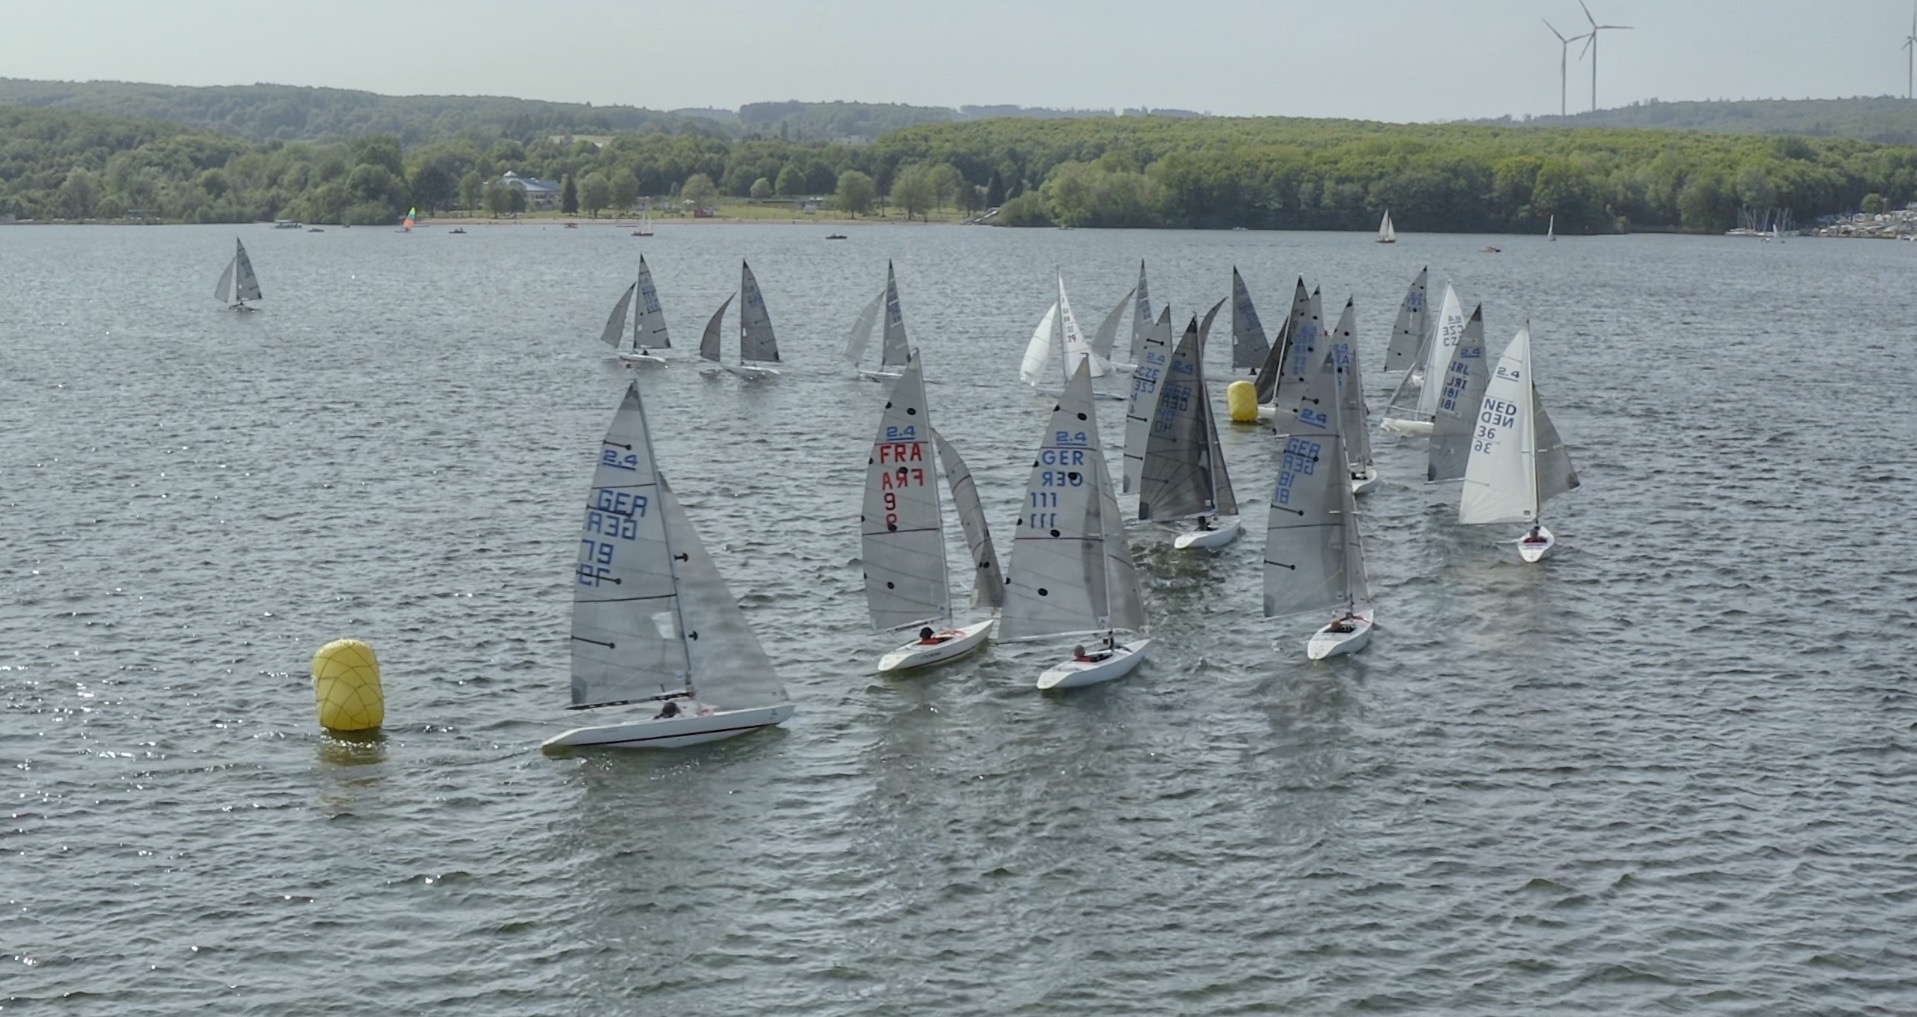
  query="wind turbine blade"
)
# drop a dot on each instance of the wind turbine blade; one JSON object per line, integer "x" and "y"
{"x": 1567, "y": 42}
{"x": 1614, "y": 26}
{"x": 1587, "y": 14}
{"x": 1590, "y": 39}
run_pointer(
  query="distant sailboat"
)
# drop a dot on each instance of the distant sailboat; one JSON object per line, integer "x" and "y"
{"x": 237, "y": 283}
{"x": 1386, "y": 234}
{"x": 1517, "y": 461}
{"x": 1551, "y": 228}
{"x": 652, "y": 619}
{"x": 1249, "y": 347}
{"x": 1314, "y": 556}
{"x": 902, "y": 534}
{"x": 645, "y": 223}
{"x": 757, "y": 345}
{"x": 1071, "y": 571}
{"x": 648, "y": 323}
{"x": 406, "y": 224}
{"x": 894, "y": 349}
{"x": 1416, "y": 398}
{"x": 1184, "y": 475}
{"x": 1057, "y": 338}
{"x": 1356, "y": 436}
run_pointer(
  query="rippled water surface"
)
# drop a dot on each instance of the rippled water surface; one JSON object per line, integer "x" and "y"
{"x": 1670, "y": 771}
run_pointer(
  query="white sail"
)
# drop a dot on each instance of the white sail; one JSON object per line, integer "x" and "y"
{"x": 988, "y": 586}
{"x": 1386, "y": 234}
{"x": 615, "y": 329}
{"x": 1461, "y": 398}
{"x": 902, "y": 532}
{"x": 1038, "y": 352}
{"x": 863, "y": 329}
{"x": 1351, "y": 391}
{"x": 730, "y": 669}
{"x": 626, "y": 624}
{"x": 1500, "y": 478}
{"x": 1311, "y": 531}
{"x": 1416, "y": 397}
{"x": 1077, "y": 349}
{"x": 1068, "y": 572}
{"x": 649, "y": 328}
{"x": 1249, "y": 347}
{"x": 1142, "y": 320}
{"x": 1107, "y": 335}
{"x": 1184, "y": 471}
{"x": 1205, "y": 323}
{"x": 895, "y": 350}
{"x": 1551, "y": 228}
{"x": 246, "y": 285}
{"x": 1154, "y": 357}
{"x": 756, "y": 341}
{"x": 709, "y": 340}
{"x": 1407, "y": 334}
{"x": 1280, "y": 361}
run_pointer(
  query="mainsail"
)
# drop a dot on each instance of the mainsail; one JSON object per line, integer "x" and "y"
{"x": 1351, "y": 391}
{"x": 895, "y": 351}
{"x": 1071, "y": 570}
{"x": 1142, "y": 320}
{"x": 1155, "y": 356}
{"x": 1407, "y": 334}
{"x": 902, "y": 534}
{"x": 1184, "y": 471}
{"x": 238, "y": 275}
{"x": 1249, "y": 347}
{"x": 1416, "y": 397}
{"x": 1461, "y": 398}
{"x": 1313, "y": 559}
{"x": 1280, "y": 358}
{"x": 1501, "y": 478}
{"x": 649, "y": 328}
{"x": 756, "y": 341}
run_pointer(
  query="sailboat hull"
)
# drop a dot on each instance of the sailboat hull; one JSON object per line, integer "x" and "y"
{"x": 749, "y": 372}
{"x": 1326, "y": 643}
{"x": 1073, "y": 674}
{"x": 642, "y": 359}
{"x": 916, "y": 654}
{"x": 671, "y": 732}
{"x": 1406, "y": 426}
{"x": 1365, "y": 481}
{"x": 878, "y": 375}
{"x": 1536, "y": 551}
{"x": 1227, "y": 530}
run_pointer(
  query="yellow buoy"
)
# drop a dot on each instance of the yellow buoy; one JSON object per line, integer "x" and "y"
{"x": 1241, "y": 397}
{"x": 346, "y": 681}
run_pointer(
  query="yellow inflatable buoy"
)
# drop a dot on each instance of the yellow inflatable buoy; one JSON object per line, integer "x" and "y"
{"x": 1241, "y": 397}
{"x": 346, "y": 681}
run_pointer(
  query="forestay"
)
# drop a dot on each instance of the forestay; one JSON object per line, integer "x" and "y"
{"x": 1407, "y": 335}
{"x": 1458, "y": 404}
{"x": 756, "y": 341}
{"x": 1249, "y": 347}
{"x": 1155, "y": 356}
{"x": 1071, "y": 570}
{"x": 1184, "y": 472}
{"x": 626, "y": 618}
{"x": 902, "y": 534}
{"x": 1313, "y": 560}
{"x": 988, "y": 588}
{"x": 709, "y": 340}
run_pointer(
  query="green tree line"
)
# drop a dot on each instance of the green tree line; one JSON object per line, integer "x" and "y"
{"x": 1130, "y": 171}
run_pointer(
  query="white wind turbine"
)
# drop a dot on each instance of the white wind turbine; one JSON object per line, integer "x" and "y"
{"x": 1591, "y": 47}
{"x": 1564, "y": 62}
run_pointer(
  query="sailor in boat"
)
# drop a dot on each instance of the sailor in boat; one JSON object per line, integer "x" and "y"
{"x": 671, "y": 709}
{"x": 929, "y": 638}
{"x": 1205, "y": 523}
{"x": 1079, "y": 654}
{"x": 1348, "y": 623}
{"x": 1536, "y": 536}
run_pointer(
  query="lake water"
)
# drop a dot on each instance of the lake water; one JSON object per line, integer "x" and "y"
{"x": 1671, "y": 771}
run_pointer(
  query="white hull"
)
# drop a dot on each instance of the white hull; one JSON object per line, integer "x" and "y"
{"x": 1123, "y": 368}
{"x": 1267, "y": 411}
{"x": 871, "y": 375}
{"x": 916, "y": 654}
{"x": 1407, "y": 427}
{"x": 642, "y": 358}
{"x": 1540, "y": 550}
{"x": 1362, "y": 482}
{"x": 751, "y": 373}
{"x": 1326, "y": 643}
{"x": 1226, "y": 530}
{"x": 671, "y": 732}
{"x": 1074, "y": 673}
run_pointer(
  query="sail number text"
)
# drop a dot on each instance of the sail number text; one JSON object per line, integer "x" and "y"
{"x": 1497, "y": 414}
{"x": 1300, "y": 460}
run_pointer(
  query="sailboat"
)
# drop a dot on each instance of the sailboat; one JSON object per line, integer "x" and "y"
{"x": 1314, "y": 555}
{"x": 1351, "y": 402}
{"x": 1106, "y": 337}
{"x": 1143, "y": 323}
{"x": 648, "y": 324}
{"x": 1408, "y": 332}
{"x": 645, "y": 223}
{"x": 1386, "y": 234}
{"x": 1551, "y": 228}
{"x": 757, "y": 345}
{"x": 406, "y": 224}
{"x": 237, "y": 283}
{"x": 1249, "y": 347}
{"x": 1416, "y": 398}
{"x": 894, "y": 350}
{"x": 902, "y": 534}
{"x": 1072, "y": 572}
{"x": 652, "y": 619}
{"x": 1154, "y": 358}
{"x": 1184, "y": 476}
{"x": 1517, "y": 461}
{"x": 1279, "y": 357}
{"x": 1459, "y": 399}
{"x": 1058, "y": 335}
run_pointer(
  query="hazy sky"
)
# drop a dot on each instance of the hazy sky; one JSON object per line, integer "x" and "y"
{"x": 1403, "y": 60}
